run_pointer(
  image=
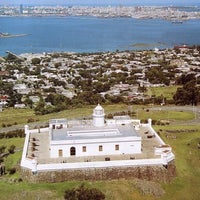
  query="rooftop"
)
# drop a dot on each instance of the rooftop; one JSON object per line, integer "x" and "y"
{"x": 41, "y": 150}
{"x": 111, "y": 131}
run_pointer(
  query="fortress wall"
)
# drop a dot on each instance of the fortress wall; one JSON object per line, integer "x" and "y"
{"x": 153, "y": 173}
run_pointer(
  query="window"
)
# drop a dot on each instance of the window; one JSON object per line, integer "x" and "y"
{"x": 100, "y": 148}
{"x": 60, "y": 153}
{"x": 72, "y": 151}
{"x": 84, "y": 149}
{"x": 116, "y": 147}
{"x": 99, "y": 112}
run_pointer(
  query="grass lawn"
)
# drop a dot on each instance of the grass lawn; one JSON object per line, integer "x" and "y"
{"x": 166, "y": 92}
{"x": 20, "y": 116}
{"x": 182, "y": 138}
{"x": 187, "y": 184}
{"x": 13, "y": 116}
{"x": 165, "y": 115}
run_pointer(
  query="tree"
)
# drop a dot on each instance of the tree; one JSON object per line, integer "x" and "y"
{"x": 14, "y": 98}
{"x": 58, "y": 64}
{"x": 188, "y": 94}
{"x": 83, "y": 193}
{"x": 157, "y": 76}
{"x": 11, "y": 149}
{"x": 28, "y": 102}
{"x": 40, "y": 108}
{"x": 35, "y": 61}
{"x": 58, "y": 99}
{"x": 88, "y": 98}
{"x": 6, "y": 87}
{"x": 37, "y": 71}
{"x": 114, "y": 99}
{"x": 185, "y": 78}
{"x": 101, "y": 87}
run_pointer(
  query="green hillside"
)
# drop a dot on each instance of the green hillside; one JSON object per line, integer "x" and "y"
{"x": 184, "y": 140}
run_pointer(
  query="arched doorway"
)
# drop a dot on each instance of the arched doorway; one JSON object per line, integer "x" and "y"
{"x": 72, "y": 151}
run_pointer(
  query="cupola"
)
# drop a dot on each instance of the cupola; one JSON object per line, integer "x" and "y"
{"x": 98, "y": 116}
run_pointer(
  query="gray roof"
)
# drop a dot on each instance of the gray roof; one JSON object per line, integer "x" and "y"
{"x": 123, "y": 117}
{"x": 78, "y": 133}
{"x": 54, "y": 121}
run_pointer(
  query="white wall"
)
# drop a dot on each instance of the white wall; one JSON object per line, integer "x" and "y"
{"x": 153, "y": 132}
{"x": 116, "y": 163}
{"x": 102, "y": 164}
{"x": 133, "y": 147}
{"x": 123, "y": 146}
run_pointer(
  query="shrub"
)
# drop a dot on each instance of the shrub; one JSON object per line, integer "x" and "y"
{"x": 12, "y": 170}
{"x": 158, "y": 123}
{"x": 144, "y": 121}
{"x": 2, "y": 135}
{"x": 3, "y": 125}
{"x": 1, "y": 159}
{"x": 83, "y": 193}
{"x": 9, "y": 135}
{"x": 2, "y": 149}
{"x": 29, "y": 120}
{"x": 15, "y": 133}
{"x": 20, "y": 180}
{"x": 110, "y": 116}
{"x": 154, "y": 122}
{"x": 11, "y": 149}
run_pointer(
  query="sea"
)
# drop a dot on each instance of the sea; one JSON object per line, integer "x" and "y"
{"x": 91, "y": 34}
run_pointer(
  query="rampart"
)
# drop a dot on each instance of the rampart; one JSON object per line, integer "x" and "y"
{"x": 160, "y": 168}
{"x": 153, "y": 173}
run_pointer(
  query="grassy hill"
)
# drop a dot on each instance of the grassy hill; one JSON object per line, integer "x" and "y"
{"x": 184, "y": 140}
{"x": 166, "y": 92}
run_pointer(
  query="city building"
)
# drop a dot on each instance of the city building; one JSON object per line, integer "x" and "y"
{"x": 21, "y": 9}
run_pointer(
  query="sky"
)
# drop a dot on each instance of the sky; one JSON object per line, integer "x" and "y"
{"x": 99, "y": 2}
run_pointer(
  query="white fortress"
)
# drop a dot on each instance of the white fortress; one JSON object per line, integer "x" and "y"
{"x": 96, "y": 143}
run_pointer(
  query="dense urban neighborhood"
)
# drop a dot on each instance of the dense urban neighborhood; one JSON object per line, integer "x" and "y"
{"x": 172, "y": 13}
{"x": 52, "y": 82}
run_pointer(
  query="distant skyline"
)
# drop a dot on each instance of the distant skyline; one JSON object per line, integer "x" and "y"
{"x": 99, "y": 2}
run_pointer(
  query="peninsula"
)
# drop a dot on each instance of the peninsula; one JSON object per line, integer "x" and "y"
{"x": 7, "y": 35}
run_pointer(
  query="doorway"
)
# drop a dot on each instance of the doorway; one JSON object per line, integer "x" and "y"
{"x": 72, "y": 151}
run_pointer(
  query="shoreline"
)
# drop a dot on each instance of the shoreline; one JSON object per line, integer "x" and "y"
{"x": 137, "y": 45}
{"x": 170, "y": 13}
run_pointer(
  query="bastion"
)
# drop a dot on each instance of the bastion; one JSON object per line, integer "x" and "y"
{"x": 96, "y": 149}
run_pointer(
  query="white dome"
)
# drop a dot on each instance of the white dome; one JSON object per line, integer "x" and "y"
{"x": 99, "y": 107}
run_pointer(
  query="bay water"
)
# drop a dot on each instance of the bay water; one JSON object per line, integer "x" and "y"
{"x": 90, "y": 34}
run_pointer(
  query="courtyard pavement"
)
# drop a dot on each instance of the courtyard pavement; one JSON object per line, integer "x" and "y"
{"x": 39, "y": 145}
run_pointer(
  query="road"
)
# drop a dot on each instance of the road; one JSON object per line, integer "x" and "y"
{"x": 194, "y": 109}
